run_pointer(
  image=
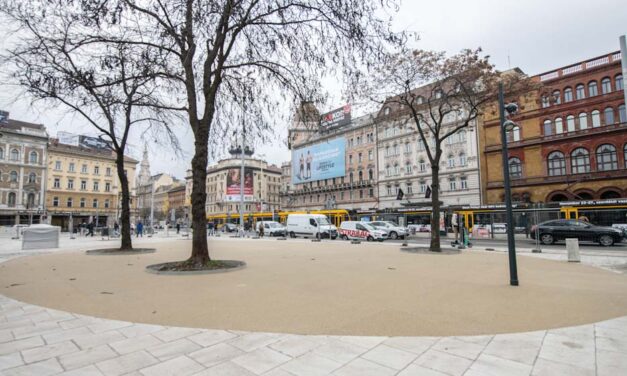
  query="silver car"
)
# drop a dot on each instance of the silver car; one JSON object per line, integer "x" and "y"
{"x": 394, "y": 231}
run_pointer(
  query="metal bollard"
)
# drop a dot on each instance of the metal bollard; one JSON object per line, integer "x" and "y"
{"x": 572, "y": 246}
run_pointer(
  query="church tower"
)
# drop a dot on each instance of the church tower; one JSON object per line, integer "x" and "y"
{"x": 144, "y": 171}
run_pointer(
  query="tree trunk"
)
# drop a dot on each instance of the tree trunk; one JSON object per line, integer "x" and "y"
{"x": 125, "y": 219}
{"x": 200, "y": 248}
{"x": 435, "y": 205}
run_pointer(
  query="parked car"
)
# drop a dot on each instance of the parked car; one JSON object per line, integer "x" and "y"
{"x": 551, "y": 231}
{"x": 229, "y": 227}
{"x": 310, "y": 225}
{"x": 361, "y": 231}
{"x": 272, "y": 228}
{"x": 394, "y": 231}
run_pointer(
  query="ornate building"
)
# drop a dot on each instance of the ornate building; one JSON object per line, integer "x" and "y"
{"x": 23, "y": 159}
{"x": 571, "y": 139}
{"x": 152, "y": 191}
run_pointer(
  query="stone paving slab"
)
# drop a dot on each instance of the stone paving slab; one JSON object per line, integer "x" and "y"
{"x": 594, "y": 349}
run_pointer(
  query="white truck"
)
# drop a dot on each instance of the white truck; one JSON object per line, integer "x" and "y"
{"x": 310, "y": 225}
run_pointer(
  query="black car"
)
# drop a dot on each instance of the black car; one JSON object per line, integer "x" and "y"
{"x": 560, "y": 229}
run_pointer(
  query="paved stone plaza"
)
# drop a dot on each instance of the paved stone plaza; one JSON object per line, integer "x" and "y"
{"x": 40, "y": 341}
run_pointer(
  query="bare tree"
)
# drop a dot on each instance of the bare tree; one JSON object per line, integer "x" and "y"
{"x": 440, "y": 96}
{"x": 235, "y": 62}
{"x": 111, "y": 86}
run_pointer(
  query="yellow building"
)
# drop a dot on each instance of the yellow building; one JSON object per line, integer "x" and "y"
{"x": 82, "y": 184}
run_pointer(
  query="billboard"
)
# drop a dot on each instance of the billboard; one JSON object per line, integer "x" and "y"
{"x": 93, "y": 143}
{"x": 321, "y": 161}
{"x": 67, "y": 138}
{"x": 4, "y": 117}
{"x": 233, "y": 185}
{"x": 336, "y": 118}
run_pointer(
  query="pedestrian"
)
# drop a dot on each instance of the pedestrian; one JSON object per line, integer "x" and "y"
{"x": 178, "y": 227}
{"x": 90, "y": 229}
{"x": 261, "y": 229}
{"x": 116, "y": 228}
{"x": 140, "y": 229}
{"x": 455, "y": 224}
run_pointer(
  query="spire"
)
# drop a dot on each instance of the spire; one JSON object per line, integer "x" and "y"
{"x": 144, "y": 171}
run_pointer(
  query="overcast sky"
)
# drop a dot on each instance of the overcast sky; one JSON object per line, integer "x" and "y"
{"x": 534, "y": 35}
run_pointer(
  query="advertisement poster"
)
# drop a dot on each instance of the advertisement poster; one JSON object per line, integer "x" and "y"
{"x": 93, "y": 143}
{"x": 67, "y": 138}
{"x": 318, "y": 162}
{"x": 336, "y": 118}
{"x": 233, "y": 185}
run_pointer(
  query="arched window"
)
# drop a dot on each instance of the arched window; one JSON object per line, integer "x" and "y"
{"x": 462, "y": 159}
{"x": 388, "y": 170}
{"x": 361, "y": 176}
{"x": 557, "y": 98}
{"x": 609, "y": 116}
{"x": 33, "y": 157}
{"x": 556, "y": 164}
{"x": 30, "y": 201}
{"x": 350, "y": 177}
{"x": 619, "y": 82}
{"x": 11, "y": 200}
{"x": 397, "y": 149}
{"x": 596, "y": 118}
{"x": 408, "y": 168}
{"x": 387, "y": 151}
{"x": 397, "y": 171}
{"x": 451, "y": 161}
{"x": 515, "y": 168}
{"x": 13, "y": 176}
{"x": 423, "y": 165}
{"x": 583, "y": 120}
{"x": 593, "y": 90}
{"x": 407, "y": 147}
{"x": 606, "y": 158}
{"x": 568, "y": 95}
{"x": 32, "y": 177}
{"x": 622, "y": 115}
{"x": 559, "y": 126}
{"x": 606, "y": 85}
{"x": 570, "y": 123}
{"x": 580, "y": 161}
{"x": 545, "y": 101}
{"x": 370, "y": 175}
{"x": 15, "y": 155}
{"x": 548, "y": 128}
{"x": 580, "y": 91}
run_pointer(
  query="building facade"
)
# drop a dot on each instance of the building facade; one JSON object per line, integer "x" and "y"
{"x": 23, "y": 159}
{"x": 177, "y": 202}
{"x": 82, "y": 186}
{"x": 571, "y": 138}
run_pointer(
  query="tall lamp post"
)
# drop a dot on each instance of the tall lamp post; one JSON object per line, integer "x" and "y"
{"x": 507, "y": 125}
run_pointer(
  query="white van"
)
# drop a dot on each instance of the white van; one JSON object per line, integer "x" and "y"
{"x": 361, "y": 231}
{"x": 310, "y": 225}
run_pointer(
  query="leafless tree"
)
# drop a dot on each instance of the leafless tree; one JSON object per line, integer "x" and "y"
{"x": 58, "y": 61}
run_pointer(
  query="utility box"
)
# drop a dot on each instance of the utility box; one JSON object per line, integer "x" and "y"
{"x": 572, "y": 246}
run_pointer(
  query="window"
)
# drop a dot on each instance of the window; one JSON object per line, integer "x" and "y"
{"x": 421, "y": 145}
{"x": 397, "y": 149}
{"x": 625, "y": 155}
{"x": 107, "y": 187}
{"x": 407, "y": 147}
{"x": 463, "y": 182}
{"x": 580, "y": 91}
{"x": 622, "y": 115}
{"x": 359, "y": 158}
{"x": 548, "y": 128}
{"x": 423, "y": 165}
{"x": 423, "y": 186}
{"x": 545, "y": 101}
{"x": 106, "y": 204}
{"x": 452, "y": 184}
{"x": 70, "y": 184}
{"x": 559, "y": 126}
{"x": 409, "y": 188}
{"x": 350, "y": 159}
{"x": 387, "y": 151}
{"x": 96, "y": 187}
{"x": 408, "y": 168}
{"x": 462, "y": 136}
{"x": 11, "y": 199}
{"x": 389, "y": 189}
{"x": 451, "y": 161}
{"x": 420, "y": 99}
{"x": 361, "y": 176}
{"x": 556, "y": 164}
{"x": 94, "y": 204}
{"x": 515, "y": 168}
{"x": 358, "y": 140}
{"x": 96, "y": 170}
{"x": 568, "y": 95}
{"x": 55, "y": 201}
{"x": 370, "y": 155}
{"x": 1, "y": 153}
{"x": 388, "y": 170}
{"x": 462, "y": 159}
{"x": 82, "y": 202}
{"x": 108, "y": 171}
{"x": 69, "y": 202}
{"x": 580, "y": 161}
{"x": 57, "y": 183}
{"x": 596, "y": 118}
{"x": 514, "y": 134}
{"x": 30, "y": 200}
{"x": 370, "y": 175}
{"x": 83, "y": 185}
{"x": 32, "y": 178}
{"x": 609, "y": 115}
{"x": 84, "y": 169}
{"x": 57, "y": 165}
{"x": 33, "y": 157}
{"x": 606, "y": 158}
{"x": 15, "y": 155}
{"x": 397, "y": 170}
{"x": 606, "y": 85}
{"x": 593, "y": 91}
{"x": 583, "y": 120}
{"x": 557, "y": 97}
{"x": 71, "y": 168}
{"x": 570, "y": 123}
{"x": 619, "y": 82}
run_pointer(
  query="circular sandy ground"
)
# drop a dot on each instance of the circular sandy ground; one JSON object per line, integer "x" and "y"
{"x": 323, "y": 288}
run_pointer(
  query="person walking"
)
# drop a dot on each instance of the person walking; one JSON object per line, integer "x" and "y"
{"x": 178, "y": 226}
{"x": 140, "y": 229}
{"x": 90, "y": 229}
{"x": 261, "y": 229}
{"x": 455, "y": 224}
{"x": 116, "y": 228}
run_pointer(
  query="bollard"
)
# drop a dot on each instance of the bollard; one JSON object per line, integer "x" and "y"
{"x": 572, "y": 245}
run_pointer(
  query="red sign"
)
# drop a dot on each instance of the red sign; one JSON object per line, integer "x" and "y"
{"x": 355, "y": 233}
{"x": 338, "y": 117}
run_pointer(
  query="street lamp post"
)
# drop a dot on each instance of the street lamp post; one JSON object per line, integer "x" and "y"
{"x": 511, "y": 245}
